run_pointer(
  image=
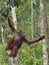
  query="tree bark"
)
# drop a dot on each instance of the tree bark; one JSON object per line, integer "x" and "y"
{"x": 3, "y": 31}
{"x": 15, "y": 25}
{"x": 45, "y": 56}
{"x": 14, "y": 17}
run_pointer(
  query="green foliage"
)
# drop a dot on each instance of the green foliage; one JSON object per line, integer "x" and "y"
{"x": 13, "y": 2}
{"x": 16, "y": 2}
{"x": 3, "y": 55}
{"x": 26, "y": 53}
{"x": 3, "y": 10}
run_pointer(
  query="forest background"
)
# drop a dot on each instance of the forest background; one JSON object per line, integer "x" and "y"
{"x": 28, "y": 20}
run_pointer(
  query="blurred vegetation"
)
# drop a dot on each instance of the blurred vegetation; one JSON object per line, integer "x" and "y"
{"x": 23, "y": 13}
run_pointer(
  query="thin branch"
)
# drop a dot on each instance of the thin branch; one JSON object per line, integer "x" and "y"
{"x": 3, "y": 34}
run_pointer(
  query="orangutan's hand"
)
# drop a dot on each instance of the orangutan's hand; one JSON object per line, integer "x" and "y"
{"x": 42, "y": 37}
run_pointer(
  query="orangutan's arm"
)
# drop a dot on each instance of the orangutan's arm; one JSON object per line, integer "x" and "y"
{"x": 11, "y": 25}
{"x": 31, "y": 41}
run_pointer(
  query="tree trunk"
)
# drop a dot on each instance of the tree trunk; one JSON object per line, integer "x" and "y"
{"x": 45, "y": 56}
{"x": 15, "y": 25}
{"x": 3, "y": 31}
{"x": 14, "y": 17}
{"x": 12, "y": 60}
